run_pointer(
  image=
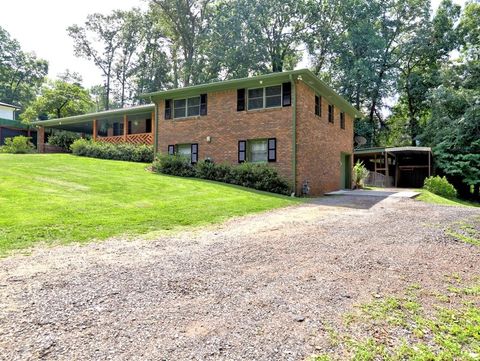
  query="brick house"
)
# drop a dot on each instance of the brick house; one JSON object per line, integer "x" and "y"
{"x": 291, "y": 120}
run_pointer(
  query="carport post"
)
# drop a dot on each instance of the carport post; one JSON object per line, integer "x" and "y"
{"x": 125, "y": 127}
{"x": 94, "y": 131}
{"x": 41, "y": 139}
{"x": 429, "y": 171}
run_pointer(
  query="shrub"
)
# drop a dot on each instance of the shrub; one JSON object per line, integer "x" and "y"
{"x": 63, "y": 139}
{"x": 174, "y": 165}
{"x": 17, "y": 145}
{"x": 124, "y": 151}
{"x": 218, "y": 172}
{"x": 441, "y": 186}
{"x": 257, "y": 176}
{"x": 360, "y": 173}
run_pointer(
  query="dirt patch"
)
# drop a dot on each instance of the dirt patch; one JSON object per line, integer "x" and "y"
{"x": 257, "y": 287}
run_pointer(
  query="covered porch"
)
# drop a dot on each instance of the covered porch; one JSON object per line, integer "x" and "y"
{"x": 133, "y": 125}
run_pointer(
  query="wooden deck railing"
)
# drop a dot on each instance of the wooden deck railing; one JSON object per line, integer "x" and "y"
{"x": 141, "y": 138}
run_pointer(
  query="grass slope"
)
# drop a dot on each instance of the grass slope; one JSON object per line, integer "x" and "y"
{"x": 430, "y": 197}
{"x": 63, "y": 198}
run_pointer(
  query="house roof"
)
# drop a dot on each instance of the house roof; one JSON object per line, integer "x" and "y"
{"x": 9, "y": 105}
{"x": 261, "y": 80}
{"x": 98, "y": 115}
{"x": 376, "y": 150}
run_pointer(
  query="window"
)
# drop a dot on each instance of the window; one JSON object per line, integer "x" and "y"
{"x": 331, "y": 111}
{"x": 255, "y": 98}
{"x": 318, "y": 105}
{"x": 257, "y": 150}
{"x": 342, "y": 120}
{"x": 273, "y": 96}
{"x": 268, "y": 97}
{"x": 189, "y": 107}
{"x": 186, "y": 150}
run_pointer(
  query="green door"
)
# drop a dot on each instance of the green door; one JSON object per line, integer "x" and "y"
{"x": 346, "y": 171}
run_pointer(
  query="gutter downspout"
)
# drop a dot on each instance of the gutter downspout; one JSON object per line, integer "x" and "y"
{"x": 294, "y": 134}
{"x": 155, "y": 136}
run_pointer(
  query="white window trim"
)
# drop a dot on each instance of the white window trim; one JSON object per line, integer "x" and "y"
{"x": 186, "y": 108}
{"x": 264, "y": 97}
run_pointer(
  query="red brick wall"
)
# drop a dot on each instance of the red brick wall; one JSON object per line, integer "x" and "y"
{"x": 225, "y": 126}
{"x": 320, "y": 143}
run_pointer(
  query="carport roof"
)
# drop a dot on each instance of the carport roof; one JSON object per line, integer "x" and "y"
{"x": 84, "y": 118}
{"x": 376, "y": 150}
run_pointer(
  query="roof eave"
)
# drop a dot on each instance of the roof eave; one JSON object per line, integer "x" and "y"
{"x": 261, "y": 80}
{"x": 90, "y": 116}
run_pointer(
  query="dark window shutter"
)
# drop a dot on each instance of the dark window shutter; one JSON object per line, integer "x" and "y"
{"x": 240, "y": 100}
{"x": 242, "y": 151}
{"x": 287, "y": 94}
{"x": 168, "y": 109}
{"x": 272, "y": 150}
{"x": 194, "y": 153}
{"x": 317, "y": 105}
{"x": 203, "y": 104}
{"x": 171, "y": 150}
{"x": 342, "y": 120}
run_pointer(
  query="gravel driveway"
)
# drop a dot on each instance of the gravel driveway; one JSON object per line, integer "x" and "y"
{"x": 261, "y": 287}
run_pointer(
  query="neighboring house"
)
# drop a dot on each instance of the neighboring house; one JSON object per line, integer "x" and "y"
{"x": 290, "y": 120}
{"x": 9, "y": 126}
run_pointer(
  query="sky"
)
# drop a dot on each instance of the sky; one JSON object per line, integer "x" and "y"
{"x": 40, "y": 27}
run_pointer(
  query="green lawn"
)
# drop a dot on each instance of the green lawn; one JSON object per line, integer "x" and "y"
{"x": 64, "y": 198}
{"x": 429, "y": 197}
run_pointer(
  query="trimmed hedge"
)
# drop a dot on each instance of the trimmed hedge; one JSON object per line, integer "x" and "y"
{"x": 103, "y": 150}
{"x": 441, "y": 186}
{"x": 256, "y": 176}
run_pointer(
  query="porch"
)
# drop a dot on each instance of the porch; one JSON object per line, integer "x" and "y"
{"x": 133, "y": 125}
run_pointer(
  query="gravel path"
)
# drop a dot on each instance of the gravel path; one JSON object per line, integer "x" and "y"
{"x": 261, "y": 287}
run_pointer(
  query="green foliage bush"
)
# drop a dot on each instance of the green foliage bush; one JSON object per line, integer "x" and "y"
{"x": 63, "y": 139}
{"x": 256, "y": 176}
{"x": 17, "y": 145}
{"x": 440, "y": 186}
{"x": 174, "y": 165}
{"x": 360, "y": 173}
{"x": 103, "y": 150}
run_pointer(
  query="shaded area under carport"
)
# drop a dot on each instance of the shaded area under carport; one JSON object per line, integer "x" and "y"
{"x": 405, "y": 167}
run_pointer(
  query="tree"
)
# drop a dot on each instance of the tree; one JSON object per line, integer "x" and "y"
{"x": 184, "y": 23}
{"x": 131, "y": 37}
{"x": 99, "y": 40}
{"x": 60, "y": 98}
{"x": 454, "y": 128}
{"x": 422, "y": 59}
{"x": 21, "y": 74}
{"x": 153, "y": 67}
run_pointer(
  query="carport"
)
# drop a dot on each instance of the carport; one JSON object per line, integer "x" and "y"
{"x": 405, "y": 167}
